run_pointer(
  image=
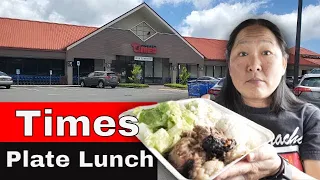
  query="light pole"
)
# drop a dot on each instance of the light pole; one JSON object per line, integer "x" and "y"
{"x": 297, "y": 50}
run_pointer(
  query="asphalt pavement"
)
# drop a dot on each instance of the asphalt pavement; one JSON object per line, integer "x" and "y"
{"x": 85, "y": 94}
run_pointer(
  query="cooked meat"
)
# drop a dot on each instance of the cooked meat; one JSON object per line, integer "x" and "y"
{"x": 217, "y": 147}
{"x": 200, "y": 152}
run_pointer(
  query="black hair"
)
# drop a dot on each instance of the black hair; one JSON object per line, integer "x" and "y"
{"x": 281, "y": 99}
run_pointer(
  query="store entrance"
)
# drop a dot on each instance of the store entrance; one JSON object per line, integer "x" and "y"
{"x": 154, "y": 70}
{"x": 124, "y": 65}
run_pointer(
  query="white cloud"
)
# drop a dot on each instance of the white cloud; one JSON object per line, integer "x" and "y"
{"x": 198, "y": 4}
{"x": 84, "y": 12}
{"x": 219, "y": 21}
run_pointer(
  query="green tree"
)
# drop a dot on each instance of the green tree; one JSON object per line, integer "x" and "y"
{"x": 135, "y": 72}
{"x": 184, "y": 75}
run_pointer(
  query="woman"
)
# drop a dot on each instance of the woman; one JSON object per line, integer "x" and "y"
{"x": 255, "y": 88}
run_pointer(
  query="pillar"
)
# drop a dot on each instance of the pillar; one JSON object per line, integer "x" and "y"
{"x": 174, "y": 72}
{"x": 69, "y": 71}
{"x": 200, "y": 70}
{"x": 107, "y": 64}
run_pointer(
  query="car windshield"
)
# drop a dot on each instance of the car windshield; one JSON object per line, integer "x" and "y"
{"x": 311, "y": 82}
{"x": 111, "y": 74}
{"x": 315, "y": 71}
{"x": 3, "y": 74}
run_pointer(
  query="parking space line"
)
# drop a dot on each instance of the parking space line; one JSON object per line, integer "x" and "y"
{"x": 31, "y": 89}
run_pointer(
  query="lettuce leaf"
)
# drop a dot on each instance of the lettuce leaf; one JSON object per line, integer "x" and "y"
{"x": 161, "y": 127}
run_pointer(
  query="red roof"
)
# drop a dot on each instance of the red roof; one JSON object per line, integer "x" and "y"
{"x": 303, "y": 61}
{"x": 211, "y": 49}
{"x": 27, "y": 34}
{"x": 16, "y": 33}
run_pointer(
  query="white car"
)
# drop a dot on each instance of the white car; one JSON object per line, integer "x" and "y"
{"x": 309, "y": 89}
{"x": 5, "y": 80}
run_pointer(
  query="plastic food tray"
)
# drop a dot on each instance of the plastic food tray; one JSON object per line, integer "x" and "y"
{"x": 255, "y": 131}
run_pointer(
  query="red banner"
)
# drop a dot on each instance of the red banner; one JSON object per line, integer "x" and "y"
{"x": 65, "y": 122}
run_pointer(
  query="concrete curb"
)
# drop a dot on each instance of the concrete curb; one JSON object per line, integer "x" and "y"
{"x": 45, "y": 85}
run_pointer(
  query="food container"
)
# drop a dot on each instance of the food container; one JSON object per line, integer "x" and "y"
{"x": 234, "y": 125}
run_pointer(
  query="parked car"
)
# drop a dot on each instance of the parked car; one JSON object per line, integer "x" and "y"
{"x": 5, "y": 80}
{"x": 309, "y": 89}
{"x": 100, "y": 79}
{"x": 215, "y": 90}
{"x": 315, "y": 71}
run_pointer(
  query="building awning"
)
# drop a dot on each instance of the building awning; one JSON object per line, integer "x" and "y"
{"x": 307, "y": 57}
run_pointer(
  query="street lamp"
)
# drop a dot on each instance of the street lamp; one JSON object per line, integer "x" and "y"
{"x": 297, "y": 50}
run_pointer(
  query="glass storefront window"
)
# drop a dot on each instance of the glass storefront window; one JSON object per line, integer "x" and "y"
{"x": 217, "y": 71}
{"x": 157, "y": 67}
{"x": 209, "y": 71}
{"x": 149, "y": 69}
{"x": 193, "y": 71}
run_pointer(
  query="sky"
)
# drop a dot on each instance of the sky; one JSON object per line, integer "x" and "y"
{"x": 197, "y": 18}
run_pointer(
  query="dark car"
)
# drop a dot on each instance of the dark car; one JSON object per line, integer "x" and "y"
{"x": 309, "y": 89}
{"x": 215, "y": 90}
{"x": 100, "y": 79}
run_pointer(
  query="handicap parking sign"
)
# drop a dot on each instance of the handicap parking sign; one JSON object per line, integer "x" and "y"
{"x": 17, "y": 71}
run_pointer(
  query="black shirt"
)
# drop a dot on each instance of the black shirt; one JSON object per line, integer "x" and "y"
{"x": 297, "y": 133}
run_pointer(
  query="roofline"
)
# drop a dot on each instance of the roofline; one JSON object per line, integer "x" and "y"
{"x": 104, "y": 27}
{"x": 33, "y": 49}
{"x": 172, "y": 29}
{"x": 126, "y": 15}
{"x": 191, "y": 37}
{"x": 302, "y": 48}
{"x": 49, "y": 22}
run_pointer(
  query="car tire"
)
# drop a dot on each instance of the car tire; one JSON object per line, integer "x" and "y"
{"x": 101, "y": 84}
{"x": 113, "y": 86}
{"x": 8, "y": 87}
{"x": 82, "y": 84}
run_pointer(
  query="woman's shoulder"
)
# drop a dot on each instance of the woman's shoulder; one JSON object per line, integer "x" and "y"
{"x": 308, "y": 112}
{"x": 309, "y": 108}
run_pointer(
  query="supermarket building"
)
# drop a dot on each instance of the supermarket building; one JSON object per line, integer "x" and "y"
{"x": 139, "y": 36}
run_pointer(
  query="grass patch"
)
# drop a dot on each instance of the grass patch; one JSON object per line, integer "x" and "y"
{"x": 177, "y": 86}
{"x": 133, "y": 85}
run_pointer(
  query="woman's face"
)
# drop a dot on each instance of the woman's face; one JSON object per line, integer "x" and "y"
{"x": 256, "y": 63}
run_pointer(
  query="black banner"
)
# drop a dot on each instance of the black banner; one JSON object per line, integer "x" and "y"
{"x": 76, "y": 161}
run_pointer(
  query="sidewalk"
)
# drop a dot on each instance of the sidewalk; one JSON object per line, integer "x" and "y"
{"x": 45, "y": 85}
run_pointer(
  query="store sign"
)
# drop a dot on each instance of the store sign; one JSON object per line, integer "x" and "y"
{"x": 141, "y": 58}
{"x": 310, "y": 56}
{"x": 144, "y": 49}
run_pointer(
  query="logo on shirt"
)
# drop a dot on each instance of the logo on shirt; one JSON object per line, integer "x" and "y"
{"x": 288, "y": 139}
{"x": 288, "y": 147}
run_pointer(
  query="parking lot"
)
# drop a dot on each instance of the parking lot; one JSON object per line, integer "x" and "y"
{"x": 78, "y": 94}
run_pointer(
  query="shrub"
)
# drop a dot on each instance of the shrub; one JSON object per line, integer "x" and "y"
{"x": 135, "y": 72}
{"x": 133, "y": 85}
{"x": 178, "y": 86}
{"x": 184, "y": 76}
